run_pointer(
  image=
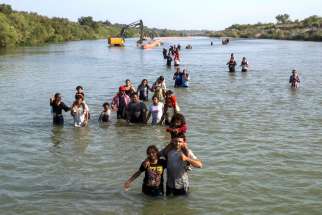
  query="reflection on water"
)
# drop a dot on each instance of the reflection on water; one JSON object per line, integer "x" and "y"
{"x": 259, "y": 139}
{"x": 56, "y": 136}
{"x": 167, "y": 206}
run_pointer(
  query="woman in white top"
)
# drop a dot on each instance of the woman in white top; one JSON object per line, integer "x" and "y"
{"x": 156, "y": 110}
{"x": 80, "y": 112}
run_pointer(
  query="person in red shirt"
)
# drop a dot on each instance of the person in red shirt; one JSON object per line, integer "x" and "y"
{"x": 169, "y": 104}
{"x": 177, "y": 125}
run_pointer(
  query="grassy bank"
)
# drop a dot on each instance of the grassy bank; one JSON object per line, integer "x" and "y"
{"x": 309, "y": 29}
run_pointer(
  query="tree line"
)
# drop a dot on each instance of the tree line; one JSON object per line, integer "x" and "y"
{"x": 18, "y": 28}
{"x": 307, "y": 29}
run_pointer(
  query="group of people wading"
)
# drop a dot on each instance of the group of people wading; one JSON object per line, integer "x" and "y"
{"x": 130, "y": 105}
{"x": 173, "y": 54}
{"x": 294, "y": 78}
{"x": 232, "y": 64}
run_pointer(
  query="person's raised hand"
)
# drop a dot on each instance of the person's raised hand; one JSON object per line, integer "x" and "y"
{"x": 126, "y": 186}
{"x": 184, "y": 157}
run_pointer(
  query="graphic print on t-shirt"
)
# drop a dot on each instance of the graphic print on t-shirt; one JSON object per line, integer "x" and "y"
{"x": 154, "y": 176}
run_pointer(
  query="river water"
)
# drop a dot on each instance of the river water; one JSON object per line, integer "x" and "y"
{"x": 260, "y": 141}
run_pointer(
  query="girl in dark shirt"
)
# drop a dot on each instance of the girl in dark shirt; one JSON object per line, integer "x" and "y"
{"x": 143, "y": 90}
{"x": 57, "y": 107}
{"x": 153, "y": 167}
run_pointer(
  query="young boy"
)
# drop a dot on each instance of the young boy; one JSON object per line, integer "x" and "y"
{"x": 105, "y": 114}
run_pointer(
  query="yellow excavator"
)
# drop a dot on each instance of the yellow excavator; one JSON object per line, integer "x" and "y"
{"x": 119, "y": 40}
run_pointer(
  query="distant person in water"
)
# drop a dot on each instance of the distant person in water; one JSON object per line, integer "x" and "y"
{"x": 165, "y": 53}
{"x": 185, "y": 78}
{"x": 294, "y": 79}
{"x": 105, "y": 114}
{"x": 143, "y": 90}
{"x": 57, "y": 108}
{"x": 159, "y": 88}
{"x": 169, "y": 60}
{"x": 225, "y": 41}
{"x": 170, "y": 50}
{"x": 231, "y": 63}
{"x": 244, "y": 64}
{"x": 154, "y": 168}
{"x": 80, "y": 91}
{"x": 120, "y": 103}
{"x": 211, "y": 43}
{"x": 129, "y": 88}
{"x": 174, "y": 50}
{"x": 176, "y": 57}
{"x": 80, "y": 112}
{"x": 177, "y": 77}
{"x": 156, "y": 111}
{"x": 181, "y": 79}
{"x": 136, "y": 110}
{"x": 171, "y": 107}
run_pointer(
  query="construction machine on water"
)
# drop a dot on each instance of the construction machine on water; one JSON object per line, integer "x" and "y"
{"x": 119, "y": 40}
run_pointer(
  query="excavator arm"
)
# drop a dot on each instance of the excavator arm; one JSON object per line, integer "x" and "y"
{"x": 135, "y": 24}
{"x": 119, "y": 40}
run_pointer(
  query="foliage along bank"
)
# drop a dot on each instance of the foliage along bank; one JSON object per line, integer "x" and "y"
{"x": 309, "y": 29}
{"x": 19, "y": 28}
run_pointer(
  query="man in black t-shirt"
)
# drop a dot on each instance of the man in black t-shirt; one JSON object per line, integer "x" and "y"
{"x": 136, "y": 110}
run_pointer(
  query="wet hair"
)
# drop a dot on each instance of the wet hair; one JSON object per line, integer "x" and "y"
{"x": 169, "y": 92}
{"x": 127, "y": 80}
{"x": 161, "y": 78}
{"x": 155, "y": 97}
{"x": 106, "y": 104}
{"x": 153, "y": 147}
{"x": 143, "y": 80}
{"x": 134, "y": 94}
{"x": 79, "y": 87}
{"x": 178, "y": 117}
{"x": 57, "y": 95}
{"x": 180, "y": 135}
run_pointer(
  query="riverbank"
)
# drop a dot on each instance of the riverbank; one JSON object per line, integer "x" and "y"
{"x": 18, "y": 28}
{"x": 309, "y": 29}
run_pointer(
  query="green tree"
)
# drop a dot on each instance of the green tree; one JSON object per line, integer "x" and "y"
{"x": 8, "y": 35}
{"x": 5, "y": 8}
{"x": 283, "y": 18}
{"x": 86, "y": 20}
{"x": 313, "y": 21}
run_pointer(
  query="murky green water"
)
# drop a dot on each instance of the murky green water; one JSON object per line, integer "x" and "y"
{"x": 261, "y": 142}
